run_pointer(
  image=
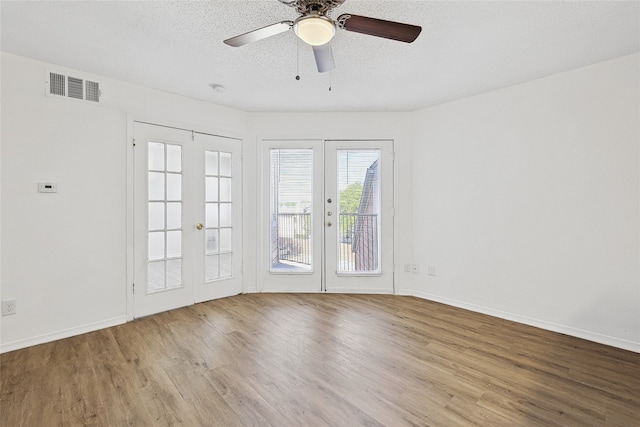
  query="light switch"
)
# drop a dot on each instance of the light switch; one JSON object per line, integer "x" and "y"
{"x": 47, "y": 187}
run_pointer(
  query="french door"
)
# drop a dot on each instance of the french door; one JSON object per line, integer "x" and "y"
{"x": 187, "y": 218}
{"x": 327, "y": 216}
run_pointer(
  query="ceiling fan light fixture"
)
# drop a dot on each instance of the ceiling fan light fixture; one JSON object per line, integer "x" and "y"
{"x": 314, "y": 29}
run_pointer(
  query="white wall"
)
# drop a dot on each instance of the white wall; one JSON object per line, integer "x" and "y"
{"x": 527, "y": 202}
{"x": 64, "y": 255}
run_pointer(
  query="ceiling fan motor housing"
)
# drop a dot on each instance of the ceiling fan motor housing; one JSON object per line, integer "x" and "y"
{"x": 321, "y": 7}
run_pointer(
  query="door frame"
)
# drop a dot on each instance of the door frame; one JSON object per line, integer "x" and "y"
{"x": 130, "y": 203}
{"x": 262, "y": 149}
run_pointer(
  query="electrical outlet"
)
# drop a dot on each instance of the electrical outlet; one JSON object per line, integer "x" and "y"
{"x": 9, "y": 307}
{"x": 415, "y": 268}
{"x": 431, "y": 270}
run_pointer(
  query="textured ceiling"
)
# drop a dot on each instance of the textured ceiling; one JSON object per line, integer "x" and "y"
{"x": 465, "y": 48}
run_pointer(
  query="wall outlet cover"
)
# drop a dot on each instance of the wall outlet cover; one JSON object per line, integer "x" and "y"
{"x": 9, "y": 307}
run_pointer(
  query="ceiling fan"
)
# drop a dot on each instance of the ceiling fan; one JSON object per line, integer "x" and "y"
{"x": 315, "y": 27}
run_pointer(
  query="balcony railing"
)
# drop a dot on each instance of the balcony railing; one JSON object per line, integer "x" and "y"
{"x": 358, "y": 245}
{"x": 294, "y": 238}
{"x": 357, "y": 241}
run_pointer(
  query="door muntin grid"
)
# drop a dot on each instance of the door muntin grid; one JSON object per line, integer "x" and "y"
{"x": 218, "y": 216}
{"x": 164, "y": 220}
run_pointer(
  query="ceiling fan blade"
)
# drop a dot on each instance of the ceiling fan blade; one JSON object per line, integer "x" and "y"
{"x": 379, "y": 27}
{"x": 259, "y": 34}
{"x": 324, "y": 58}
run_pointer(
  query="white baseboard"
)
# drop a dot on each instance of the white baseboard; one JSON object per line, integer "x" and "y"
{"x": 567, "y": 330}
{"x": 360, "y": 291}
{"x": 65, "y": 333}
{"x": 329, "y": 291}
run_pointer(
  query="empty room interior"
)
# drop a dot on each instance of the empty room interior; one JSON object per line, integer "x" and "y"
{"x": 320, "y": 213}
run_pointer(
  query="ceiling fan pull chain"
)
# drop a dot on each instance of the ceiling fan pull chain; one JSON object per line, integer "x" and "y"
{"x": 297, "y": 58}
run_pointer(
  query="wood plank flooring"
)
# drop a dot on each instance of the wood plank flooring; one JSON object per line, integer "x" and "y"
{"x": 320, "y": 360}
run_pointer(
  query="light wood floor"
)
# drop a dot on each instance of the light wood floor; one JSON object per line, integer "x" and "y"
{"x": 320, "y": 360}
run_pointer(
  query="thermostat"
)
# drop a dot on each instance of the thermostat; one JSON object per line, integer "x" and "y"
{"x": 47, "y": 187}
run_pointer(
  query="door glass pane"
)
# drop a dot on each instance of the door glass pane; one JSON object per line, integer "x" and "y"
{"x": 174, "y": 186}
{"x": 155, "y": 276}
{"x": 156, "y": 216}
{"x": 225, "y": 164}
{"x": 174, "y": 215}
{"x": 212, "y": 215}
{"x": 212, "y": 241}
{"x": 291, "y": 188}
{"x": 174, "y": 273}
{"x": 174, "y": 158}
{"x": 156, "y": 186}
{"x": 225, "y": 239}
{"x": 225, "y": 215}
{"x": 164, "y": 220}
{"x": 212, "y": 189}
{"x": 211, "y": 266}
{"x": 211, "y": 165}
{"x": 225, "y": 189}
{"x": 225, "y": 265}
{"x": 156, "y": 156}
{"x": 359, "y": 218}
{"x": 156, "y": 246}
{"x": 174, "y": 244}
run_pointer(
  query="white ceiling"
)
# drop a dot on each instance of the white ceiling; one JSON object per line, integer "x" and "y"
{"x": 465, "y": 48}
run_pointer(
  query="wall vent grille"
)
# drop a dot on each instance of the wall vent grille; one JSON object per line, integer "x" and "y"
{"x": 73, "y": 87}
{"x": 92, "y": 92}
{"x": 56, "y": 84}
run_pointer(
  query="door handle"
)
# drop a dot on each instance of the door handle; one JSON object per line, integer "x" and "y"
{"x": 199, "y": 226}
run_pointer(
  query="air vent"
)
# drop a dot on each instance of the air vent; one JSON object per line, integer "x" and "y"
{"x": 56, "y": 84}
{"x": 92, "y": 91}
{"x": 73, "y": 87}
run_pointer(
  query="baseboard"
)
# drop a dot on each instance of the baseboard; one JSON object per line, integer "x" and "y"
{"x": 549, "y": 326}
{"x": 329, "y": 291}
{"x": 360, "y": 291}
{"x": 66, "y": 333}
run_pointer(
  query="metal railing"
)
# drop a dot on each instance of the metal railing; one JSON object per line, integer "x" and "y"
{"x": 294, "y": 237}
{"x": 358, "y": 249}
{"x": 358, "y": 246}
